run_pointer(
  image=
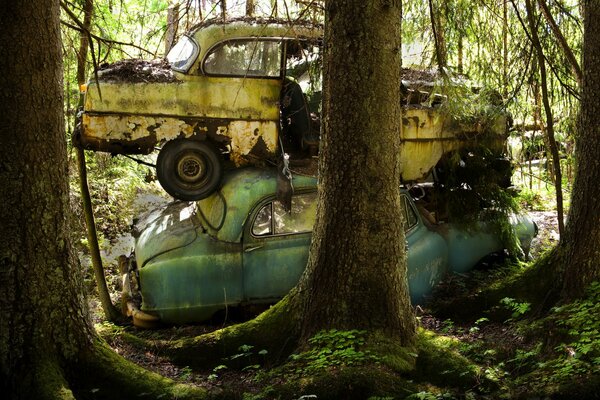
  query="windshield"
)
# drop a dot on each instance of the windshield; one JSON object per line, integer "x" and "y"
{"x": 183, "y": 54}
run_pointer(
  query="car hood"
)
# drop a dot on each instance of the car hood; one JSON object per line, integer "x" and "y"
{"x": 163, "y": 229}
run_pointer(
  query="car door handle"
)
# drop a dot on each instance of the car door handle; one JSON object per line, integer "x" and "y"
{"x": 249, "y": 249}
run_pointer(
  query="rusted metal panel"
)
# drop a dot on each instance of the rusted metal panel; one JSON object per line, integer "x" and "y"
{"x": 427, "y": 134}
{"x": 246, "y": 141}
{"x": 252, "y": 140}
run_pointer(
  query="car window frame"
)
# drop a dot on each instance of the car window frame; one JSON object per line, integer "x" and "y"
{"x": 194, "y": 56}
{"x": 269, "y": 201}
{"x": 409, "y": 204}
{"x": 214, "y": 47}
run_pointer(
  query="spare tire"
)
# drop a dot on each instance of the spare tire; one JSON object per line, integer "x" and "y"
{"x": 189, "y": 169}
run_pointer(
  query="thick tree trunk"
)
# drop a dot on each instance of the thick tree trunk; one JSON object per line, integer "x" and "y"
{"x": 356, "y": 275}
{"x": 579, "y": 249}
{"x": 43, "y": 318}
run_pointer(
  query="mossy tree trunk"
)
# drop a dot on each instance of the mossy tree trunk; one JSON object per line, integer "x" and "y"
{"x": 356, "y": 275}
{"x": 43, "y": 315}
{"x": 48, "y": 348}
{"x": 579, "y": 249}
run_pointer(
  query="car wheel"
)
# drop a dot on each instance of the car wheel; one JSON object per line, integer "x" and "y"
{"x": 189, "y": 169}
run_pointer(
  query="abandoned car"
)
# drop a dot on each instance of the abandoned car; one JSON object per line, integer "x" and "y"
{"x": 240, "y": 246}
{"x": 244, "y": 93}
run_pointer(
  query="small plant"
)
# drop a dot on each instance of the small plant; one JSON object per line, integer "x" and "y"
{"x": 214, "y": 376}
{"x": 333, "y": 348}
{"x": 518, "y": 309}
{"x": 448, "y": 326}
{"x": 185, "y": 373}
{"x": 476, "y": 328}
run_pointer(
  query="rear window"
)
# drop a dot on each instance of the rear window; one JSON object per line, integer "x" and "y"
{"x": 248, "y": 57}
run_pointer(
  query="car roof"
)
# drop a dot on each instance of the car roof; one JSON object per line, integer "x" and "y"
{"x": 224, "y": 213}
{"x": 212, "y": 32}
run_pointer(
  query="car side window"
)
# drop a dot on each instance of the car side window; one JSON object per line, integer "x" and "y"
{"x": 262, "y": 224}
{"x": 273, "y": 219}
{"x": 251, "y": 58}
{"x": 409, "y": 214}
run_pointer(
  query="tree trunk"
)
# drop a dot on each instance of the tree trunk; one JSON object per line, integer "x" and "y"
{"x": 505, "y": 49}
{"x": 224, "y": 10}
{"x": 579, "y": 249}
{"x": 356, "y": 275}
{"x": 549, "y": 118}
{"x": 172, "y": 25}
{"x": 84, "y": 42}
{"x": 437, "y": 26}
{"x": 43, "y": 317}
{"x": 47, "y": 342}
{"x": 250, "y": 6}
{"x": 110, "y": 312}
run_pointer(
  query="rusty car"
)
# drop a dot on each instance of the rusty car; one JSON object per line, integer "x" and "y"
{"x": 240, "y": 246}
{"x": 245, "y": 92}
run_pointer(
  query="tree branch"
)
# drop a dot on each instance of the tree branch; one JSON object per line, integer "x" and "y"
{"x": 562, "y": 41}
{"x": 105, "y": 40}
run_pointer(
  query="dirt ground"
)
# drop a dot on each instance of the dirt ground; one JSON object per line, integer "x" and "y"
{"x": 548, "y": 232}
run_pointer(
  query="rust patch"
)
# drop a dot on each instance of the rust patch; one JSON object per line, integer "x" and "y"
{"x": 260, "y": 149}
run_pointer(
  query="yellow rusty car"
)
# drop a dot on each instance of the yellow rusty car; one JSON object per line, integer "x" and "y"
{"x": 232, "y": 93}
{"x": 244, "y": 93}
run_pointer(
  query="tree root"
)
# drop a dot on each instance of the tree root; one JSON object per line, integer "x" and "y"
{"x": 275, "y": 330}
{"x": 103, "y": 374}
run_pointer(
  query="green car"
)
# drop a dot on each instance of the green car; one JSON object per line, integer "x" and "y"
{"x": 240, "y": 246}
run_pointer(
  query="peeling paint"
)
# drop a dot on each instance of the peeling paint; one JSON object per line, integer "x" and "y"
{"x": 427, "y": 135}
{"x": 245, "y": 136}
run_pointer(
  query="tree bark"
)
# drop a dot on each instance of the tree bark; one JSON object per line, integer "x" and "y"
{"x": 111, "y": 313}
{"x": 250, "y": 6}
{"x": 43, "y": 315}
{"x": 437, "y": 26}
{"x": 579, "y": 249}
{"x": 172, "y": 25}
{"x": 356, "y": 275}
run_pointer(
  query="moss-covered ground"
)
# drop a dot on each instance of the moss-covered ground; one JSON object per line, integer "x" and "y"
{"x": 497, "y": 344}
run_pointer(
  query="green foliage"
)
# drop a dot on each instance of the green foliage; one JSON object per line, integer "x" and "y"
{"x": 518, "y": 309}
{"x": 474, "y": 187}
{"x": 581, "y": 319}
{"x": 430, "y": 396}
{"x": 333, "y": 348}
{"x": 531, "y": 200}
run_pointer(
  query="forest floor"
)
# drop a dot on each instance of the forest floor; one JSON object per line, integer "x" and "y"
{"x": 483, "y": 341}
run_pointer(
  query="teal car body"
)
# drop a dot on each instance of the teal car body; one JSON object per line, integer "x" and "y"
{"x": 239, "y": 246}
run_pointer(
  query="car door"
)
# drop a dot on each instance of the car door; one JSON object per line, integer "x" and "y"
{"x": 276, "y": 244}
{"x": 427, "y": 253}
{"x": 242, "y": 84}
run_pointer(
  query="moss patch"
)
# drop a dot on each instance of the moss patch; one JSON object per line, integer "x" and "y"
{"x": 103, "y": 374}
